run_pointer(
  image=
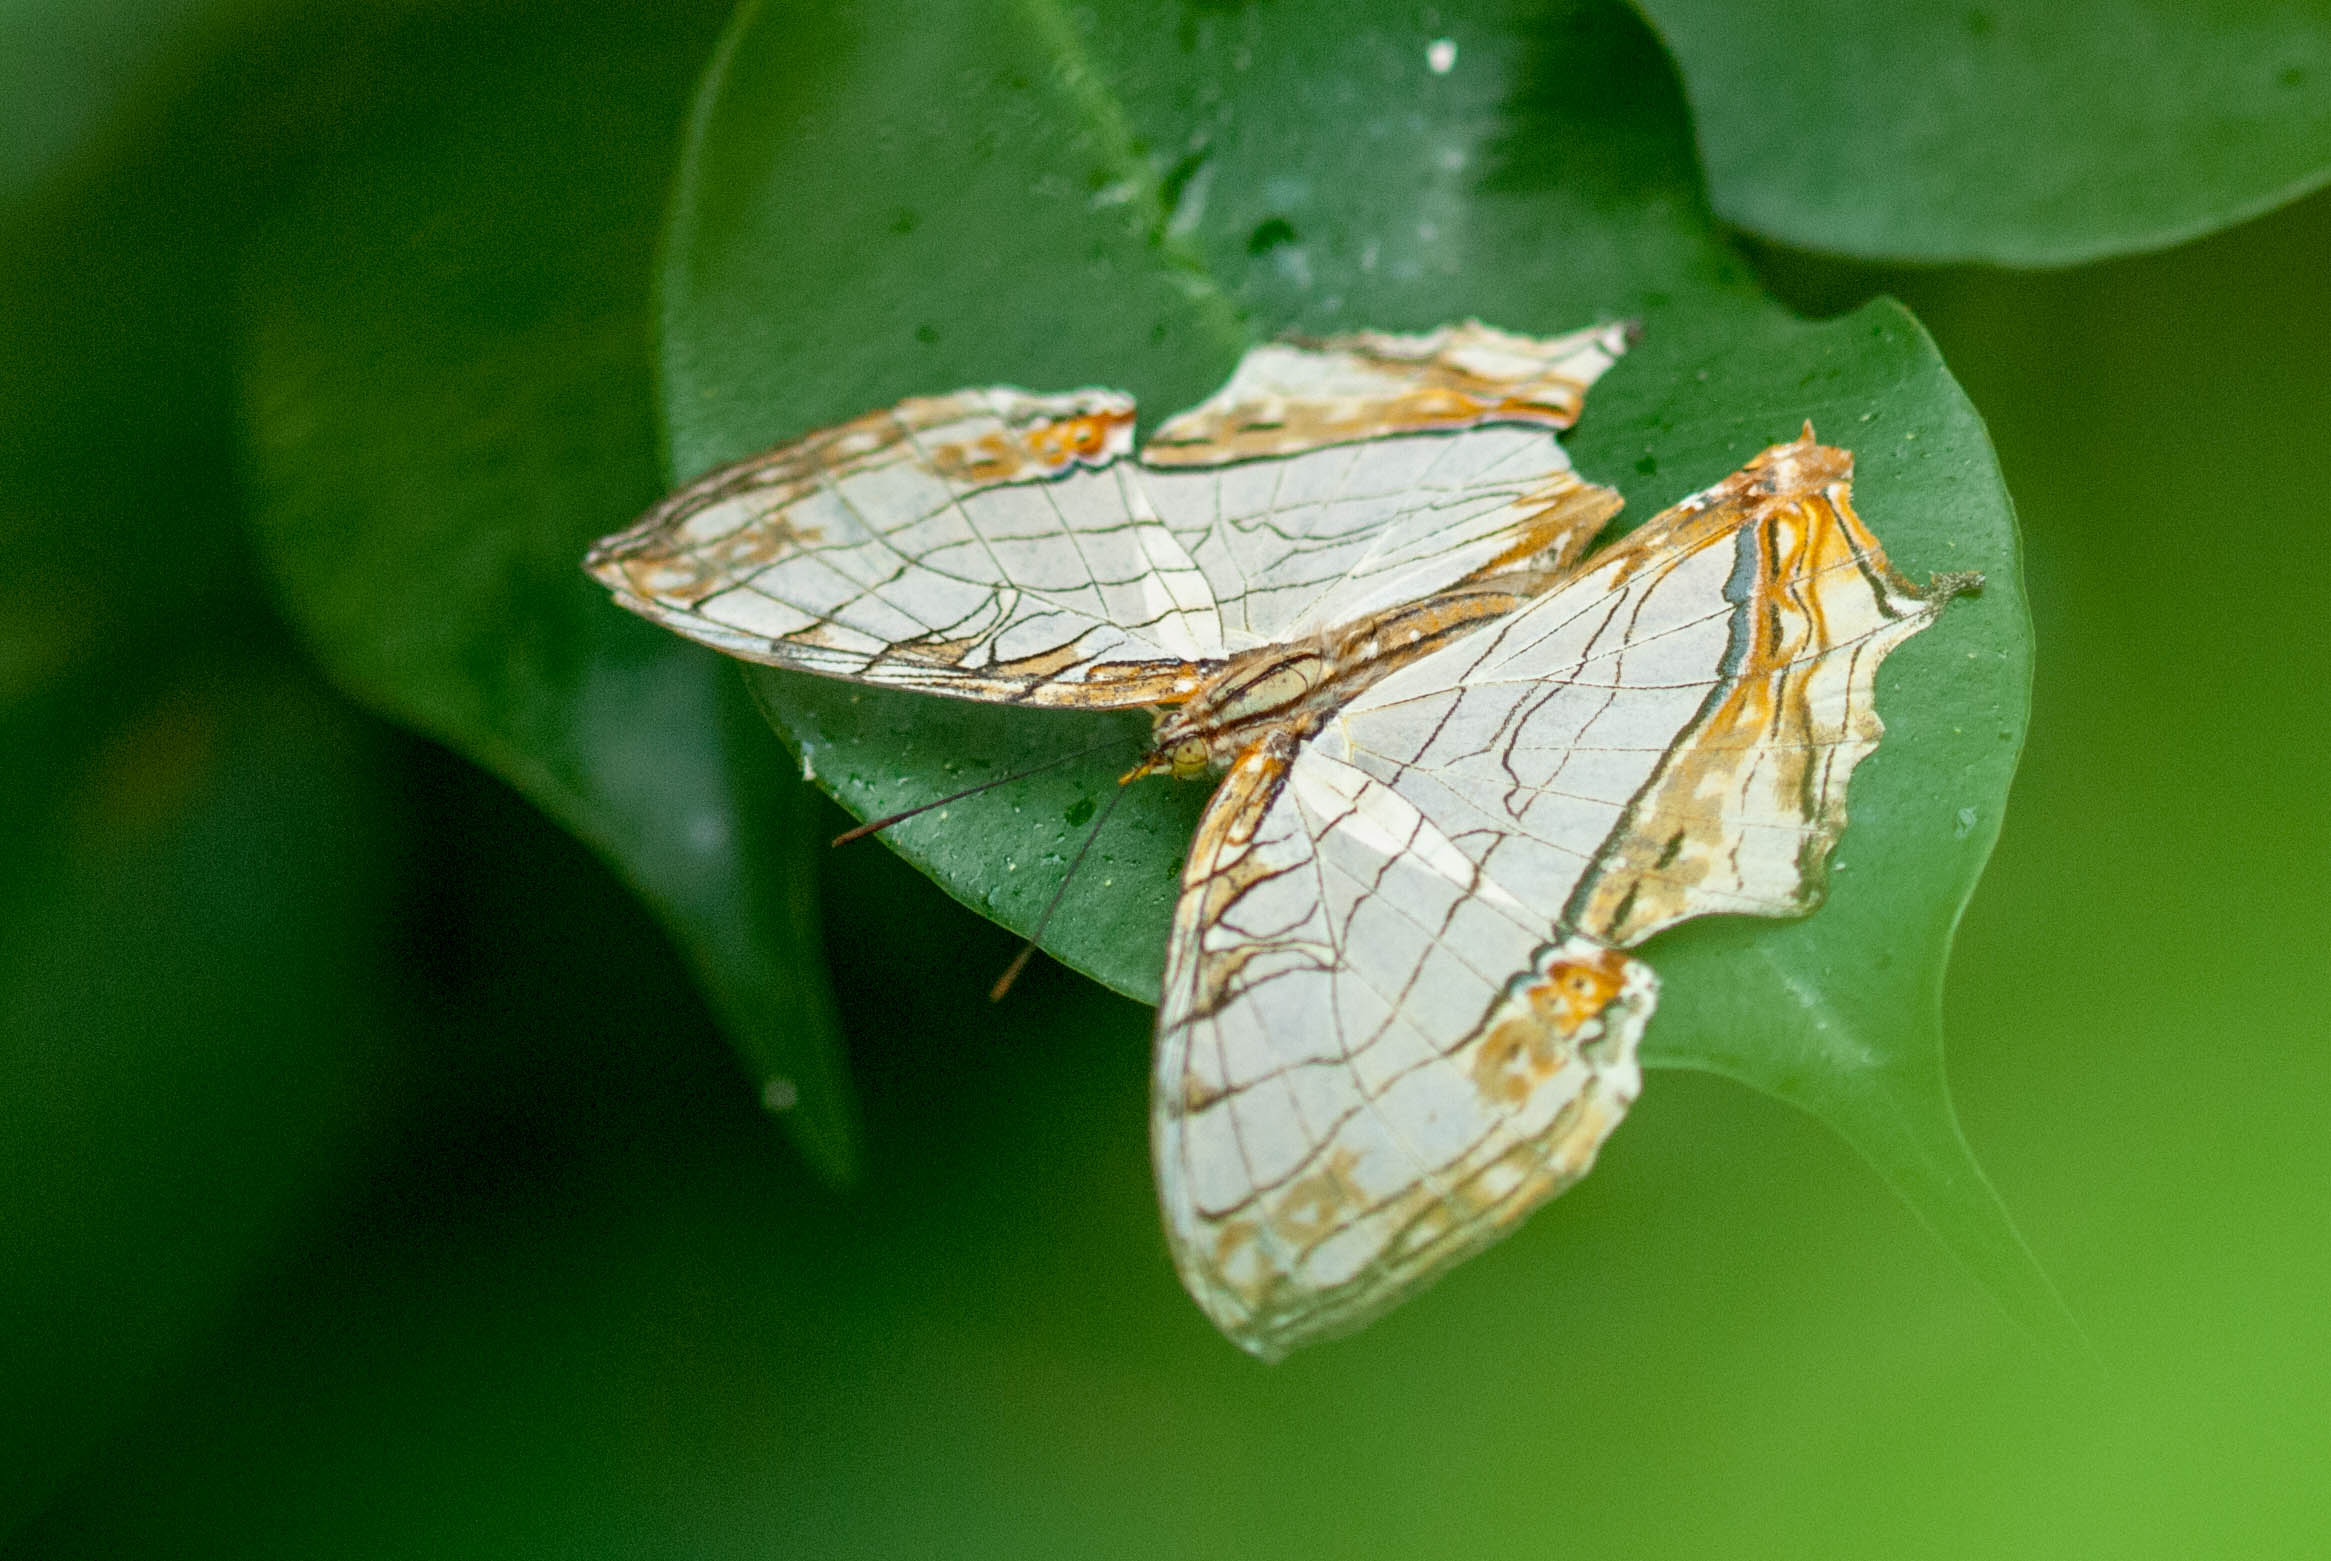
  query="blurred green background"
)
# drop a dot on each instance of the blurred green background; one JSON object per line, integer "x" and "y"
{"x": 374, "y": 1179}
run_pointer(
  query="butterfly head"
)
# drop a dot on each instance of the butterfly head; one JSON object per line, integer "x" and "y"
{"x": 1190, "y": 758}
{"x": 1187, "y": 758}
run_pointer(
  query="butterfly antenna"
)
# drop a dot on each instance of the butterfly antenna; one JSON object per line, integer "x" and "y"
{"x": 880, "y": 824}
{"x": 1027, "y": 952}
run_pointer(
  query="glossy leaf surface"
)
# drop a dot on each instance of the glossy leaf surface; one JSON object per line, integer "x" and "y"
{"x": 1020, "y": 195}
{"x": 2018, "y": 132}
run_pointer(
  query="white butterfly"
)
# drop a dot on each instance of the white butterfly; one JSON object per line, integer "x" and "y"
{"x": 1467, "y": 763}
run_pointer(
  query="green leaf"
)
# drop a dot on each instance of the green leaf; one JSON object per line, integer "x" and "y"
{"x": 2015, "y": 132}
{"x": 192, "y": 934}
{"x": 446, "y": 397}
{"x": 114, "y": 473}
{"x": 70, "y": 68}
{"x": 1005, "y": 194}
{"x": 1841, "y": 1013}
{"x": 193, "y": 907}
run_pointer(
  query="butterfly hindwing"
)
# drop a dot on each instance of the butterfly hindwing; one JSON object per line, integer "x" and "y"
{"x": 1333, "y": 479}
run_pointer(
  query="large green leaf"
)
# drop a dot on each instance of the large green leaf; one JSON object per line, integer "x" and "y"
{"x": 2018, "y": 132}
{"x": 1005, "y": 194}
{"x": 446, "y": 397}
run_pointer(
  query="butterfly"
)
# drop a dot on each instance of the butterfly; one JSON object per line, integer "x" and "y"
{"x": 1467, "y": 761}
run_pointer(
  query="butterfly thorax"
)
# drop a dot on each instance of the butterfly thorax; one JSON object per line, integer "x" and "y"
{"x": 1292, "y": 687}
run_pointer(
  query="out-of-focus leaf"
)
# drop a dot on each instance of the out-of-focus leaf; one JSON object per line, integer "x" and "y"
{"x": 68, "y": 69}
{"x": 114, "y": 476}
{"x": 875, "y": 205}
{"x": 192, "y": 904}
{"x": 85, "y": 81}
{"x": 446, "y": 398}
{"x": 2018, "y": 132}
{"x": 117, "y": 491}
{"x": 191, "y": 926}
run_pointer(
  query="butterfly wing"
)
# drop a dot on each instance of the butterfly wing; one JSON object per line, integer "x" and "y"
{"x": 998, "y": 545}
{"x": 1395, "y": 1015}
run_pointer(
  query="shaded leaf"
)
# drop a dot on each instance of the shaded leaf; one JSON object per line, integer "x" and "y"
{"x": 114, "y": 472}
{"x": 2017, "y": 132}
{"x": 117, "y": 471}
{"x": 192, "y": 914}
{"x": 70, "y": 71}
{"x": 1022, "y": 203}
{"x": 191, "y": 1020}
{"x": 446, "y": 397}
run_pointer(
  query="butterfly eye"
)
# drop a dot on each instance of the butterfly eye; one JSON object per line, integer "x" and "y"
{"x": 1189, "y": 758}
